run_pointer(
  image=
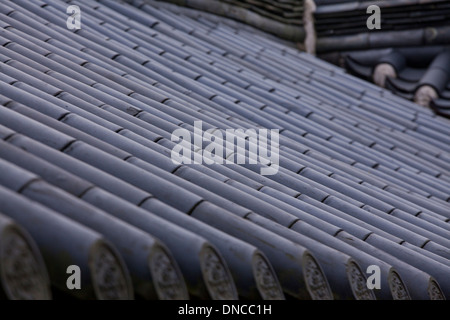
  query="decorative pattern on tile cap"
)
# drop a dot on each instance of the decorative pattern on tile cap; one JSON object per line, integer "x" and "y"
{"x": 266, "y": 279}
{"x": 217, "y": 279}
{"x": 109, "y": 278}
{"x": 435, "y": 292}
{"x": 167, "y": 281}
{"x": 315, "y": 279}
{"x": 399, "y": 291}
{"x": 359, "y": 283}
{"x": 21, "y": 273}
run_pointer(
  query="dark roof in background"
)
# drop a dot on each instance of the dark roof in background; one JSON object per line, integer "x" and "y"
{"x": 334, "y": 21}
{"x": 281, "y": 18}
{"x": 85, "y": 127}
{"x": 421, "y": 75}
{"x": 287, "y": 12}
{"x": 409, "y": 55}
